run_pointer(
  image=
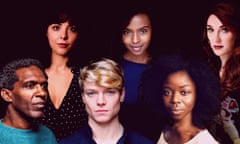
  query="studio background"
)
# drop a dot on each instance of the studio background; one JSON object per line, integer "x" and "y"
{"x": 179, "y": 27}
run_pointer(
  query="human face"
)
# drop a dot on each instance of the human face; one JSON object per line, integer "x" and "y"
{"x": 102, "y": 104}
{"x": 179, "y": 96}
{"x": 137, "y": 35}
{"x": 29, "y": 94}
{"x": 61, "y": 37}
{"x": 220, "y": 37}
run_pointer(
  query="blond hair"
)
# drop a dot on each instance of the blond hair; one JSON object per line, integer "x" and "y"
{"x": 105, "y": 72}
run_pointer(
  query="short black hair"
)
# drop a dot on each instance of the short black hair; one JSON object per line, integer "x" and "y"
{"x": 8, "y": 72}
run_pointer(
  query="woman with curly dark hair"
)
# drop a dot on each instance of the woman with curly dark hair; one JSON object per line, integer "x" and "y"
{"x": 185, "y": 95}
{"x": 221, "y": 41}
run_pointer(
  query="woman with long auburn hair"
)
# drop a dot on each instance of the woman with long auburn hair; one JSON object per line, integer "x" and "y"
{"x": 221, "y": 41}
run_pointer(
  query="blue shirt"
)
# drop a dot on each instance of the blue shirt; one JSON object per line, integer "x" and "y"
{"x": 41, "y": 135}
{"x": 132, "y": 75}
{"x": 84, "y": 136}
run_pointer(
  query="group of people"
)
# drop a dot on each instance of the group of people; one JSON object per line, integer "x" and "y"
{"x": 135, "y": 98}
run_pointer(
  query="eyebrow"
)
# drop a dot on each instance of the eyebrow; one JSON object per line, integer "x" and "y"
{"x": 182, "y": 86}
{"x": 222, "y": 26}
{"x": 143, "y": 27}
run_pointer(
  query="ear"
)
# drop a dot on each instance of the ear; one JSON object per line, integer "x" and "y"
{"x": 122, "y": 95}
{"x": 6, "y": 95}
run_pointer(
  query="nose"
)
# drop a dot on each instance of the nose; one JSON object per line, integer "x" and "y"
{"x": 42, "y": 92}
{"x": 135, "y": 38}
{"x": 64, "y": 34}
{"x": 175, "y": 98}
{"x": 217, "y": 37}
{"x": 101, "y": 100}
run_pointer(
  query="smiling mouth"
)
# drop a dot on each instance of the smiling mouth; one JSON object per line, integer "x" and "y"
{"x": 136, "y": 48}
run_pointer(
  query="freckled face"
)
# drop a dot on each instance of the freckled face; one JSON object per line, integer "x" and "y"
{"x": 61, "y": 37}
{"x": 137, "y": 35}
{"x": 179, "y": 95}
{"x": 220, "y": 37}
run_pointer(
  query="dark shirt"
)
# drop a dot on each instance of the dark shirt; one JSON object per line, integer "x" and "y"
{"x": 84, "y": 136}
{"x": 132, "y": 75}
{"x": 71, "y": 115}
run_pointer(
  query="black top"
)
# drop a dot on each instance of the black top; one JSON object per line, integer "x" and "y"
{"x": 71, "y": 115}
{"x": 84, "y": 136}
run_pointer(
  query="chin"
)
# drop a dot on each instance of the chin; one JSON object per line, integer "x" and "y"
{"x": 37, "y": 115}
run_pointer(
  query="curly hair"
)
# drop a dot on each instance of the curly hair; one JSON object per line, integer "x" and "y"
{"x": 207, "y": 85}
{"x": 228, "y": 13}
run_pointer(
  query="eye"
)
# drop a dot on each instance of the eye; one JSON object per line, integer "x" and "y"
{"x": 209, "y": 29}
{"x": 91, "y": 93}
{"x": 30, "y": 84}
{"x": 126, "y": 32}
{"x": 55, "y": 27}
{"x": 184, "y": 92}
{"x": 44, "y": 85}
{"x": 111, "y": 92}
{"x": 225, "y": 30}
{"x": 167, "y": 92}
{"x": 143, "y": 31}
{"x": 73, "y": 29}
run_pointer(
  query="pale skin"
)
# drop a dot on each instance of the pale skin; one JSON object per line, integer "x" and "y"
{"x": 136, "y": 38}
{"x": 27, "y": 98}
{"x": 61, "y": 38}
{"x": 103, "y": 105}
{"x": 221, "y": 40}
{"x": 179, "y": 99}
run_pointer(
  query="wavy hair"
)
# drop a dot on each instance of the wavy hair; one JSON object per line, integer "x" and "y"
{"x": 228, "y": 13}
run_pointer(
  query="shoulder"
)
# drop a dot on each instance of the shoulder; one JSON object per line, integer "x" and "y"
{"x": 203, "y": 137}
{"x": 44, "y": 128}
{"x": 46, "y": 132}
{"x": 134, "y": 137}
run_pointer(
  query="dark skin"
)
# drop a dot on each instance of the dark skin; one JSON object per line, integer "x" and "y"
{"x": 27, "y": 99}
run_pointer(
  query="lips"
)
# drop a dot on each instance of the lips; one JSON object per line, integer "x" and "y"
{"x": 101, "y": 111}
{"x": 136, "y": 48}
{"x": 39, "y": 105}
{"x": 176, "y": 111}
{"x": 62, "y": 45}
{"x": 217, "y": 47}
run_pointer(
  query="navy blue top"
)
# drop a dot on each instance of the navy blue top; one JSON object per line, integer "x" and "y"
{"x": 84, "y": 136}
{"x": 132, "y": 74}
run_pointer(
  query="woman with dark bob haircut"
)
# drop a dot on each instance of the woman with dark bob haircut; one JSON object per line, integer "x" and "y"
{"x": 185, "y": 95}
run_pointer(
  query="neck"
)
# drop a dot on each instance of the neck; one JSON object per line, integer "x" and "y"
{"x": 16, "y": 120}
{"x": 59, "y": 61}
{"x": 106, "y": 133}
{"x": 181, "y": 133}
{"x": 224, "y": 60}
{"x": 143, "y": 58}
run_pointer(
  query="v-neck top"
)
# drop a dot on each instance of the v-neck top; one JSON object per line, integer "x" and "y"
{"x": 71, "y": 114}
